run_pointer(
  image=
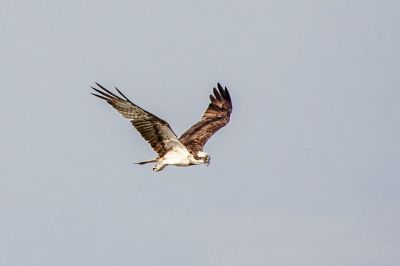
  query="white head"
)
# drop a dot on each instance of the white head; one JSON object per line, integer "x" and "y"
{"x": 204, "y": 157}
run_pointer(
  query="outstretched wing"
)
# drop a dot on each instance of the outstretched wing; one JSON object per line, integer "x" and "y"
{"x": 153, "y": 129}
{"x": 216, "y": 116}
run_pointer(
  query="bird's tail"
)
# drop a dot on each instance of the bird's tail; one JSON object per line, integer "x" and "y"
{"x": 149, "y": 161}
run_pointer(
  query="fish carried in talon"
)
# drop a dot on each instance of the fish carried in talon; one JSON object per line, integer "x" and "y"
{"x": 184, "y": 151}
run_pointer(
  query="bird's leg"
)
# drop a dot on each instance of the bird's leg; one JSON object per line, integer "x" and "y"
{"x": 158, "y": 167}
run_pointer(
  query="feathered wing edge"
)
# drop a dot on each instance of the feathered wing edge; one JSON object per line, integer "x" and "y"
{"x": 152, "y": 128}
{"x": 216, "y": 116}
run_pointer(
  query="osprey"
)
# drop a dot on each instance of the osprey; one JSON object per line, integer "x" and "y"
{"x": 184, "y": 151}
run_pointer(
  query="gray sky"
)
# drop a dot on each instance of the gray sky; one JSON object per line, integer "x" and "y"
{"x": 306, "y": 173}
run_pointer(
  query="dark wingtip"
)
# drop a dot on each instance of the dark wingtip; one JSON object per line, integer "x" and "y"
{"x": 223, "y": 91}
{"x": 126, "y": 98}
{"x": 98, "y": 84}
{"x": 216, "y": 93}
{"x": 227, "y": 95}
{"x": 101, "y": 97}
{"x": 223, "y": 94}
{"x": 105, "y": 92}
{"x": 212, "y": 98}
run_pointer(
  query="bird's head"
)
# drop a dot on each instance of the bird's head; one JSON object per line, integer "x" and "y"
{"x": 204, "y": 157}
{"x": 207, "y": 160}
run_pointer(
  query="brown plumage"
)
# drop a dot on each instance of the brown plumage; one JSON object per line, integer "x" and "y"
{"x": 216, "y": 116}
{"x": 153, "y": 129}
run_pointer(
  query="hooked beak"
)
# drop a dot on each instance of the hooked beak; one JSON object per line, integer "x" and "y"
{"x": 208, "y": 161}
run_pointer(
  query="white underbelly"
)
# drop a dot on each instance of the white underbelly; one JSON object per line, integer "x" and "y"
{"x": 177, "y": 157}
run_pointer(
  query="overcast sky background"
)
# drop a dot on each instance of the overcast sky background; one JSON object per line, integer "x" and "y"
{"x": 306, "y": 173}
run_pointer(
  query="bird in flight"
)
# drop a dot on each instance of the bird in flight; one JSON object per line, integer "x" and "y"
{"x": 184, "y": 151}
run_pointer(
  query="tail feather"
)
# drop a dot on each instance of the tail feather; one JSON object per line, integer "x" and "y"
{"x": 144, "y": 162}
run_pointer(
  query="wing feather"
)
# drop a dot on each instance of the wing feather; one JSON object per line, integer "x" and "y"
{"x": 215, "y": 117}
{"x": 152, "y": 128}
